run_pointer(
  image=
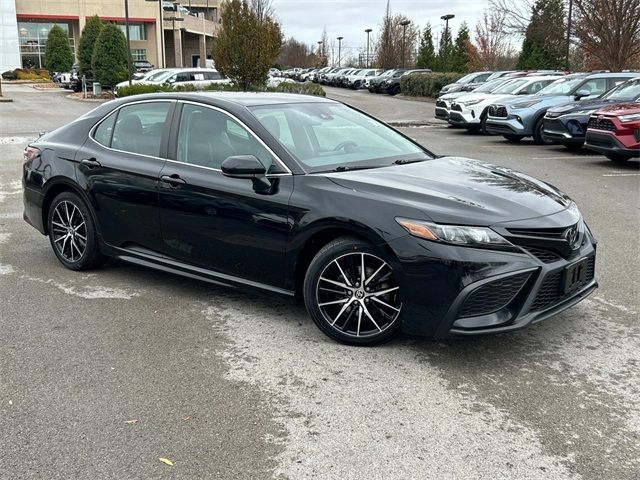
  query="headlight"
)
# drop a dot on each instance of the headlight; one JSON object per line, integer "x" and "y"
{"x": 482, "y": 237}
{"x": 632, "y": 117}
{"x": 518, "y": 106}
{"x": 471, "y": 102}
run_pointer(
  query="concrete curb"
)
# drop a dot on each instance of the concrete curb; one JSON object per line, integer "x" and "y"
{"x": 6, "y": 99}
{"x": 90, "y": 100}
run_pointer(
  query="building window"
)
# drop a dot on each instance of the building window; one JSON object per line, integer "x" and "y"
{"x": 138, "y": 54}
{"x": 136, "y": 31}
{"x": 33, "y": 40}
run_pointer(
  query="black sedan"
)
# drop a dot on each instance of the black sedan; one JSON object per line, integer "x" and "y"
{"x": 567, "y": 124}
{"x": 307, "y": 197}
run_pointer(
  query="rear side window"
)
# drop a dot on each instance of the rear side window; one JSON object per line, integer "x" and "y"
{"x": 103, "y": 133}
{"x": 139, "y": 127}
{"x": 213, "y": 75}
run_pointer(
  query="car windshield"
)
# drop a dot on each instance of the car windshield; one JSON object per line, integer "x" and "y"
{"x": 160, "y": 76}
{"x": 467, "y": 78}
{"x": 564, "y": 86}
{"x": 625, "y": 91}
{"x": 510, "y": 87}
{"x": 328, "y": 136}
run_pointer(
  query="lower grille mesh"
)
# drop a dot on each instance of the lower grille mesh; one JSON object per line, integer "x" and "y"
{"x": 493, "y": 296}
{"x": 551, "y": 293}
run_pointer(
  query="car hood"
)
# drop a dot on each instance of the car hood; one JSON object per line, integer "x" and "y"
{"x": 453, "y": 95}
{"x": 620, "y": 109}
{"x": 457, "y": 190}
{"x": 541, "y": 99}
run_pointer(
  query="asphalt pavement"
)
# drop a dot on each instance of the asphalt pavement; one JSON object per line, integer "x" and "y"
{"x": 103, "y": 373}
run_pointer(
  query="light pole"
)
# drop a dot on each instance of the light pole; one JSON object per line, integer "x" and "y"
{"x": 367, "y": 31}
{"x": 446, "y": 19}
{"x": 126, "y": 25}
{"x": 160, "y": 31}
{"x": 339, "y": 50}
{"x": 404, "y": 24}
{"x": 320, "y": 50}
{"x": 569, "y": 33}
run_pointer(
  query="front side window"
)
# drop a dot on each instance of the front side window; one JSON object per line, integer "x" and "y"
{"x": 207, "y": 137}
{"x": 323, "y": 136}
{"x": 596, "y": 86}
{"x": 509, "y": 87}
{"x": 625, "y": 91}
{"x": 139, "y": 128}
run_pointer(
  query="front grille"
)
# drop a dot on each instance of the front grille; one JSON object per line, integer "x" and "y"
{"x": 603, "y": 140}
{"x": 553, "y": 125}
{"x": 601, "y": 124}
{"x": 493, "y": 296}
{"x": 441, "y": 104}
{"x": 550, "y": 292}
{"x": 542, "y": 232}
{"x": 544, "y": 256}
{"x": 498, "y": 111}
{"x": 549, "y": 240}
{"x": 498, "y": 127}
{"x": 456, "y": 107}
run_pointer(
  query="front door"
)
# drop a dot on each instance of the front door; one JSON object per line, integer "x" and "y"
{"x": 220, "y": 223}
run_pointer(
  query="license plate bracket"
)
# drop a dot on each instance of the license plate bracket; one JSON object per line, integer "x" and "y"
{"x": 575, "y": 275}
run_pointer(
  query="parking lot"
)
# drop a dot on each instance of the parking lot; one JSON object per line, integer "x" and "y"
{"x": 103, "y": 373}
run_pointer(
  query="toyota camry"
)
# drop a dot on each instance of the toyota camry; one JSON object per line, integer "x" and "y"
{"x": 309, "y": 198}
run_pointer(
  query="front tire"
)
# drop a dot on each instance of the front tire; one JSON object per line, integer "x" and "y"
{"x": 538, "y": 129}
{"x": 352, "y": 294}
{"x": 513, "y": 138}
{"x": 72, "y": 233}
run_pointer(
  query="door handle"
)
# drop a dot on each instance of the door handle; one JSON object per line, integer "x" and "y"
{"x": 90, "y": 162}
{"x": 174, "y": 180}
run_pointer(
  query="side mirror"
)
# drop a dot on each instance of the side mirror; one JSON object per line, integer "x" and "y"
{"x": 243, "y": 166}
{"x": 581, "y": 94}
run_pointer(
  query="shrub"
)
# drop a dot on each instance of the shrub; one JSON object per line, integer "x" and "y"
{"x": 90, "y": 34}
{"x": 285, "y": 87}
{"x": 109, "y": 60}
{"x": 427, "y": 85}
{"x": 29, "y": 74}
{"x": 58, "y": 56}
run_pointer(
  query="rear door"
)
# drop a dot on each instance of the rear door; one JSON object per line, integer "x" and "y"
{"x": 119, "y": 168}
{"x": 216, "y": 222}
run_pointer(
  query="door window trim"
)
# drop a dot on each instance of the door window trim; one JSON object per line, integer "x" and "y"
{"x": 116, "y": 111}
{"x": 243, "y": 125}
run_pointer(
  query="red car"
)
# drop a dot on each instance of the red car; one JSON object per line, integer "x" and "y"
{"x": 615, "y": 132}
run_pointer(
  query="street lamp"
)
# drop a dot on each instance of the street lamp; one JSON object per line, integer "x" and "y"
{"x": 160, "y": 32}
{"x": 446, "y": 18}
{"x": 404, "y": 24}
{"x": 339, "y": 49}
{"x": 126, "y": 26}
{"x": 367, "y": 31}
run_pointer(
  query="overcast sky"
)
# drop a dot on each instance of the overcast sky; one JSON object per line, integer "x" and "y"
{"x": 305, "y": 19}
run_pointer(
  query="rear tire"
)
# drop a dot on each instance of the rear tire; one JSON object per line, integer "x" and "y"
{"x": 619, "y": 158}
{"x": 347, "y": 304}
{"x": 483, "y": 124}
{"x": 72, "y": 233}
{"x": 513, "y": 138}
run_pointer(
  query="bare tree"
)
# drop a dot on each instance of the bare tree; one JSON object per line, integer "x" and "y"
{"x": 294, "y": 54}
{"x": 494, "y": 50}
{"x": 388, "y": 50}
{"x": 262, "y": 8}
{"x": 516, "y": 13}
{"x": 609, "y": 31}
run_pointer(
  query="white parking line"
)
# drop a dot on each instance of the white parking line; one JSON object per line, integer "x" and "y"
{"x": 621, "y": 174}
{"x": 566, "y": 158}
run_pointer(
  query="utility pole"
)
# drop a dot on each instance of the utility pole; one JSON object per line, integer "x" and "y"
{"x": 404, "y": 24}
{"x": 567, "y": 66}
{"x": 446, "y": 19}
{"x": 368, "y": 32}
{"x": 126, "y": 24}
{"x": 339, "y": 50}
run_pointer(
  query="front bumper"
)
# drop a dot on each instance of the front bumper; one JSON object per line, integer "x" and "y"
{"x": 442, "y": 109}
{"x": 513, "y": 125}
{"x": 451, "y": 291}
{"x": 460, "y": 116}
{"x": 566, "y": 130}
{"x": 608, "y": 143}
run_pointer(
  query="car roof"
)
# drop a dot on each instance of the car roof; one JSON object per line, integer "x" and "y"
{"x": 246, "y": 99}
{"x": 612, "y": 75}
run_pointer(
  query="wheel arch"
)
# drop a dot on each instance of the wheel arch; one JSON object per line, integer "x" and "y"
{"x": 55, "y": 187}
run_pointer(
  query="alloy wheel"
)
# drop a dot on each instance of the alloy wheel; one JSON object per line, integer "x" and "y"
{"x": 69, "y": 231}
{"x": 358, "y": 295}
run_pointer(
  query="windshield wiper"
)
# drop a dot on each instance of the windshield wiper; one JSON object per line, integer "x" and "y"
{"x": 404, "y": 161}
{"x": 344, "y": 168}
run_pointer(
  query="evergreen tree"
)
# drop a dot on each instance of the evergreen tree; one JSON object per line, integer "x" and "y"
{"x": 109, "y": 59}
{"x": 88, "y": 38}
{"x": 445, "y": 51}
{"x": 544, "y": 43}
{"x": 58, "y": 56}
{"x": 427, "y": 52}
{"x": 247, "y": 44}
{"x": 459, "y": 61}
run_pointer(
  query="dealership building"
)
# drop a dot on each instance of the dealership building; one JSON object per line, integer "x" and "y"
{"x": 167, "y": 34}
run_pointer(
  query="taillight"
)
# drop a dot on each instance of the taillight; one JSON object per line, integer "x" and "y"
{"x": 30, "y": 153}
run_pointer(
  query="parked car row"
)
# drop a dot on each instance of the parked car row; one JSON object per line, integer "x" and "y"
{"x": 197, "y": 77}
{"x": 598, "y": 110}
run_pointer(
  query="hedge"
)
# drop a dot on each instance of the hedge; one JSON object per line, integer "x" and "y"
{"x": 285, "y": 87}
{"x": 427, "y": 85}
{"x": 32, "y": 74}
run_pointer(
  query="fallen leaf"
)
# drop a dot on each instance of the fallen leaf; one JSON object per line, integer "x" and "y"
{"x": 131, "y": 421}
{"x": 166, "y": 461}
{"x": 186, "y": 418}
